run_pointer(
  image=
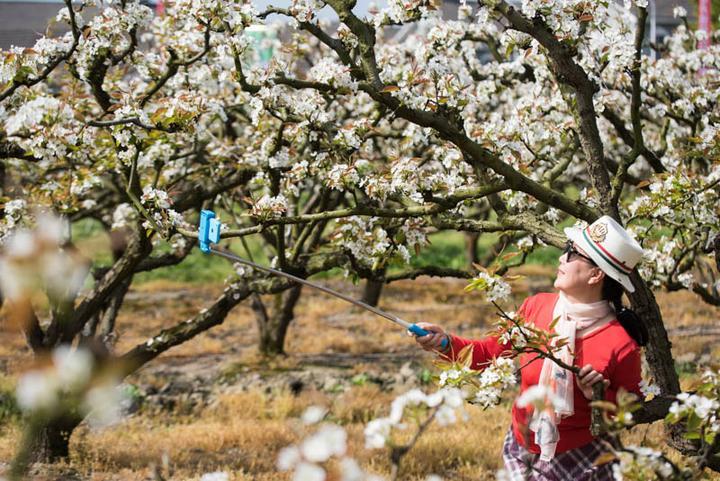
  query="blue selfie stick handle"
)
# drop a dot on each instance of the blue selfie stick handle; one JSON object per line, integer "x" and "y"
{"x": 419, "y": 332}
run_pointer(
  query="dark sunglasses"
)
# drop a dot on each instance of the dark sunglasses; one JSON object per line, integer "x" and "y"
{"x": 570, "y": 251}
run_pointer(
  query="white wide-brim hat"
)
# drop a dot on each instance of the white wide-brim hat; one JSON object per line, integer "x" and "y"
{"x": 610, "y": 246}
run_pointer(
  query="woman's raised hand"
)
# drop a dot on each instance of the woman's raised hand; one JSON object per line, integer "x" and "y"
{"x": 433, "y": 341}
{"x": 587, "y": 377}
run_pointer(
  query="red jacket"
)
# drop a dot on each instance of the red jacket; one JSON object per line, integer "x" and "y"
{"x": 609, "y": 349}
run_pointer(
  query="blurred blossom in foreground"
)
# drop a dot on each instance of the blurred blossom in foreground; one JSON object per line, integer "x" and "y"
{"x": 447, "y": 401}
{"x": 41, "y": 390}
{"x": 307, "y": 459}
{"x": 216, "y": 476}
{"x": 103, "y": 404}
{"x": 540, "y": 397}
{"x": 314, "y": 414}
{"x": 67, "y": 384}
{"x": 32, "y": 260}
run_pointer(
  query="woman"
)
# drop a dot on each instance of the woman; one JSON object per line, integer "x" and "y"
{"x": 556, "y": 444}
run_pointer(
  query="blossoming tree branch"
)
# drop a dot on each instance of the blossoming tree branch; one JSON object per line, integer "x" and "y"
{"x": 348, "y": 148}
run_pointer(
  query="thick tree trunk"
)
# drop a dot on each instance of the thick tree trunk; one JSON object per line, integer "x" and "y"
{"x": 53, "y": 442}
{"x": 46, "y": 442}
{"x": 472, "y": 253}
{"x": 658, "y": 353}
{"x": 372, "y": 292}
{"x": 273, "y": 326}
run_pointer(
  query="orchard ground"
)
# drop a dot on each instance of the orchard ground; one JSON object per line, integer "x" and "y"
{"x": 213, "y": 405}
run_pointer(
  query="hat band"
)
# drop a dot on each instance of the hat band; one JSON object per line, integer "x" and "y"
{"x": 607, "y": 257}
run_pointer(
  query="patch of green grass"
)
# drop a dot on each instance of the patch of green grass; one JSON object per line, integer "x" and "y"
{"x": 86, "y": 229}
{"x": 200, "y": 267}
{"x": 685, "y": 368}
{"x": 546, "y": 256}
{"x": 425, "y": 376}
{"x": 446, "y": 249}
{"x": 196, "y": 267}
{"x": 334, "y": 273}
{"x": 9, "y": 409}
{"x": 92, "y": 240}
{"x": 360, "y": 379}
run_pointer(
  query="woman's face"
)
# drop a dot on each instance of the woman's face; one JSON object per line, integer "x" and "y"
{"x": 576, "y": 275}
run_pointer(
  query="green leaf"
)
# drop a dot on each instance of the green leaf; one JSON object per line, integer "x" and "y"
{"x": 465, "y": 357}
{"x": 693, "y": 423}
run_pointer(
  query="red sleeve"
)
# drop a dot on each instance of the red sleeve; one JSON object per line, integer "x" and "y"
{"x": 484, "y": 350}
{"x": 487, "y": 349}
{"x": 626, "y": 373}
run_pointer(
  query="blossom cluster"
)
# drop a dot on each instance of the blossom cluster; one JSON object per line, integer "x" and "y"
{"x": 700, "y": 410}
{"x": 493, "y": 286}
{"x": 46, "y": 114}
{"x": 365, "y": 238}
{"x": 105, "y": 33}
{"x": 493, "y": 381}
{"x": 157, "y": 204}
{"x": 515, "y": 333}
{"x": 641, "y": 463}
{"x": 270, "y": 206}
{"x": 399, "y": 11}
{"x": 483, "y": 387}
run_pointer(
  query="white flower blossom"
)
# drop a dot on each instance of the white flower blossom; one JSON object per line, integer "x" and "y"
{"x": 448, "y": 401}
{"x": 33, "y": 261}
{"x": 269, "y": 206}
{"x": 73, "y": 366}
{"x": 377, "y": 433}
{"x": 351, "y": 470}
{"x": 37, "y": 391}
{"x": 215, "y": 476}
{"x": 103, "y": 403}
{"x": 314, "y": 414}
{"x": 122, "y": 216}
{"x": 647, "y": 389}
{"x": 329, "y": 440}
{"x": 288, "y": 458}
{"x": 495, "y": 288}
{"x": 539, "y": 396}
{"x": 679, "y": 12}
{"x": 309, "y": 472}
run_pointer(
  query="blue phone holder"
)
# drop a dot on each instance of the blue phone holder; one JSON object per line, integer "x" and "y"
{"x": 209, "y": 231}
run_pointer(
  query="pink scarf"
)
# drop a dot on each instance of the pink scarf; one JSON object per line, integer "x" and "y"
{"x": 573, "y": 319}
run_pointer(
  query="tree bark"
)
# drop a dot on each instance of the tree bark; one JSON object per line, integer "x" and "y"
{"x": 273, "y": 328}
{"x": 659, "y": 352}
{"x": 53, "y": 442}
{"x": 44, "y": 441}
{"x": 372, "y": 291}
{"x": 471, "y": 248}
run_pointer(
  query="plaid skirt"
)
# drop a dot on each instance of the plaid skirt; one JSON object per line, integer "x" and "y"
{"x": 575, "y": 464}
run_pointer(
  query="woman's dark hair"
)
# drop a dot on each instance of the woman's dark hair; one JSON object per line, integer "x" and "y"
{"x": 612, "y": 291}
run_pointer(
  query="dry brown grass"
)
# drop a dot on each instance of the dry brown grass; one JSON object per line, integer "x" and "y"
{"x": 242, "y": 432}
